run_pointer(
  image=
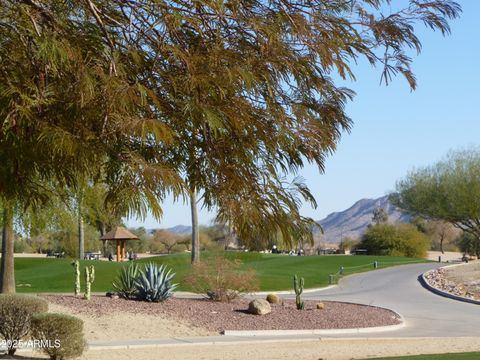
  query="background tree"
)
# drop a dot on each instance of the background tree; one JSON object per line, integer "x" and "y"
{"x": 469, "y": 244}
{"x": 395, "y": 240}
{"x": 448, "y": 190}
{"x": 348, "y": 243}
{"x": 442, "y": 234}
{"x": 167, "y": 239}
{"x": 380, "y": 216}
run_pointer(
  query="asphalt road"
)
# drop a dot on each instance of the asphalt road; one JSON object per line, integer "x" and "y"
{"x": 397, "y": 288}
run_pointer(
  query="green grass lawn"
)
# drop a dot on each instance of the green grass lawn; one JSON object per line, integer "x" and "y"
{"x": 275, "y": 271}
{"x": 459, "y": 356}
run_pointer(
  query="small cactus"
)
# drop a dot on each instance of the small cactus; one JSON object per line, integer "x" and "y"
{"x": 76, "y": 269}
{"x": 273, "y": 298}
{"x": 298, "y": 287}
{"x": 89, "y": 279}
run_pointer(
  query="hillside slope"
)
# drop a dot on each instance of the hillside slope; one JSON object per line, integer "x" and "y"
{"x": 353, "y": 221}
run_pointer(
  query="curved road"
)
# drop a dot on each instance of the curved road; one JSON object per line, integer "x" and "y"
{"x": 397, "y": 288}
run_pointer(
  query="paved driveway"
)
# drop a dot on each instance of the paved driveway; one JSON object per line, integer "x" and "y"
{"x": 398, "y": 288}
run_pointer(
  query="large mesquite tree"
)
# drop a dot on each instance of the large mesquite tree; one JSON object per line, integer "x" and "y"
{"x": 223, "y": 97}
{"x": 246, "y": 87}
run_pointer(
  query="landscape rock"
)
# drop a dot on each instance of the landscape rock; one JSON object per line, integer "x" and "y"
{"x": 439, "y": 280}
{"x": 320, "y": 306}
{"x": 223, "y": 295}
{"x": 112, "y": 295}
{"x": 259, "y": 307}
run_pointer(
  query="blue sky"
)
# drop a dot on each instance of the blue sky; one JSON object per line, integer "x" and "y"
{"x": 395, "y": 130}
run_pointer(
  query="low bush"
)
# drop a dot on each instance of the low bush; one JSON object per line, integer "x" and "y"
{"x": 16, "y": 312}
{"x": 154, "y": 283}
{"x": 469, "y": 244}
{"x": 222, "y": 279}
{"x": 124, "y": 284}
{"x": 395, "y": 240}
{"x": 61, "y": 335}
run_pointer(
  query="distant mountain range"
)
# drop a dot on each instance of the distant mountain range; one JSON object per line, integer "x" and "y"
{"x": 180, "y": 229}
{"x": 354, "y": 221}
{"x": 348, "y": 223}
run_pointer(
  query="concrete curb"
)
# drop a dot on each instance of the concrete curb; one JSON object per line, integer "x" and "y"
{"x": 292, "y": 292}
{"x": 250, "y": 337}
{"x": 440, "y": 292}
{"x": 181, "y": 294}
{"x": 315, "y": 332}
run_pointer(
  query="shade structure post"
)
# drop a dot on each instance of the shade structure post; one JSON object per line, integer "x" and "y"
{"x": 118, "y": 251}
{"x": 123, "y": 250}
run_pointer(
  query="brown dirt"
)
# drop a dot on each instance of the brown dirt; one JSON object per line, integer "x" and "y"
{"x": 217, "y": 317}
{"x": 467, "y": 277}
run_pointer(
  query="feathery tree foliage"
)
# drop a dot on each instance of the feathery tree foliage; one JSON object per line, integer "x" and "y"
{"x": 69, "y": 112}
{"x": 448, "y": 190}
{"x": 246, "y": 87}
{"x": 58, "y": 220}
{"x": 230, "y": 95}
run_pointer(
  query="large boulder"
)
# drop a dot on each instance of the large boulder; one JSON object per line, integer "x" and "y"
{"x": 259, "y": 307}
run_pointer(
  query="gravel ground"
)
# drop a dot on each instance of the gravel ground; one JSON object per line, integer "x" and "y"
{"x": 214, "y": 316}
{"x": 462, "y": 280}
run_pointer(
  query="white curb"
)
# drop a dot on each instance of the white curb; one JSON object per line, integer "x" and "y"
{"x": 367, "y": 330}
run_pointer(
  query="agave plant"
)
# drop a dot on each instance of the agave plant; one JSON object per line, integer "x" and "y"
{"x": 124, "y": 285}
{"x": 154, "y": 283}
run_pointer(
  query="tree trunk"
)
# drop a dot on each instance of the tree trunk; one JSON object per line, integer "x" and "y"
{"x": 7, "y": 274}
{"x": 103, "y": 231}
{"x": 195, "y": 228}
{"x": 81, "y": 235}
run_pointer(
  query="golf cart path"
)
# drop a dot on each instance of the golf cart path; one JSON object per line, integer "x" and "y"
{"x": 397, "y": 288}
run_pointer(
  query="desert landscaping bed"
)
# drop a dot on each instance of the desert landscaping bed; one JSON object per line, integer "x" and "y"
{"x": 205, "y": 317}
{"x": 462, "y": 280}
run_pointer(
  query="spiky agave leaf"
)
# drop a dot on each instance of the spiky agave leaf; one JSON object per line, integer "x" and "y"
{"x": 124, "y": 285}
{"x": 154, "y": 283}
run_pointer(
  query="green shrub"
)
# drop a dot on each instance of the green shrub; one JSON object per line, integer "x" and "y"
{"x": 395, "y": 240}
{"x": 154, "y": 283}
{"x": 273, "y": 298}
{"x": 61, "y": 335}
{"x": 469, "y": 244}
{"x": 124, "y": 284}
{"x": 16, "y": 312}
{"x": 222, "y": 279}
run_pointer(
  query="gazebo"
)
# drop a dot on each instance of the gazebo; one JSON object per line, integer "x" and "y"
{"x": 120, "y": 234}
